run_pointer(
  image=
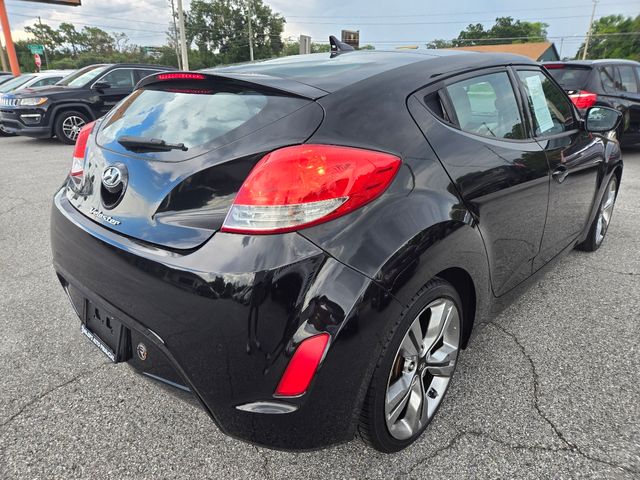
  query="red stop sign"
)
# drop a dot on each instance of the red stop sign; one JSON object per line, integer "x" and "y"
{"x": 36, "y": 57}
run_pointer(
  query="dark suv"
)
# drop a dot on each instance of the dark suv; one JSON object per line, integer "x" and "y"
{"x": 61, "y": 110}
{"x": 610, "y": 83}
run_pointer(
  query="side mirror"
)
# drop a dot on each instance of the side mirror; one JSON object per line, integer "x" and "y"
{"x": 100, "y": 86}
{"x": 601, "y": 119}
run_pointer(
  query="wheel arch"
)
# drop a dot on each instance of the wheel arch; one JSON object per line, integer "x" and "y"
{"x": 69, "y": 107}
{"x": 462, "y": 282}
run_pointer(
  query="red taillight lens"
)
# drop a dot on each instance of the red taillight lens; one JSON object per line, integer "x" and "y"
{"x": 296, "y": 187}
{"x": 181, "y": 76}
{"x": 303, "y": 366}
{"x": 553, "y": 66}
{"x": 77, "y": 165}
{"x": 583, "y": 99}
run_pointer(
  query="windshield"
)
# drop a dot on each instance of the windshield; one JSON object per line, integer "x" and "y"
{"x": 15, "y": 83}
{"x": 570, "y": 78}
{"x": 83, "y": 76}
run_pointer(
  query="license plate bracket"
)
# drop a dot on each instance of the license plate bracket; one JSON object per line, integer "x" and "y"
{"x": 106, "y": 332}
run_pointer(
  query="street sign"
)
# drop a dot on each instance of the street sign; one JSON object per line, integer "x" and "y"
{"x": 36, "y": 58}
{"x": 36, "y": 49}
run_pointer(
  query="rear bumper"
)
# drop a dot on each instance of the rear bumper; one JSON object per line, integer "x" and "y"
{"x": 223, "y": 320}
{"x": 26, "y": 122}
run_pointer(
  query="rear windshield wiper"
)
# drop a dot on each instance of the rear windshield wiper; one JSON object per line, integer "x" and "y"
{"x": 144, "y": 144}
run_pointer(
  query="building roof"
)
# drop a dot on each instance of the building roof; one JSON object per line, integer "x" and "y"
{"x": 533, "y": 50}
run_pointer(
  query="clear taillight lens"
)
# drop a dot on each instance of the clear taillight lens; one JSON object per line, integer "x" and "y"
{"x": 300, "y": 186}
{"x": 79, "y": 152}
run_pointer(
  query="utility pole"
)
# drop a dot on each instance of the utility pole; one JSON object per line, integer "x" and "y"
{"x": 250, "y": 33}
{"x": 3, "y": 59}
{"x": 46, "y": 58}
{"x": 586, "y": 43}
{"x": 175, "y": 32}
{"x": 183, "y": 40}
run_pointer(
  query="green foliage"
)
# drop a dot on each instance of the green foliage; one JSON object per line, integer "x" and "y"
{"x": 505, "y": 30}
{"x": 614, "y": 46}
{"x": 220, "y": 30}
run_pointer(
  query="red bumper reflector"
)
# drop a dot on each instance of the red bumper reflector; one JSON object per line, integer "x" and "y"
{"x": 303, "y": 366}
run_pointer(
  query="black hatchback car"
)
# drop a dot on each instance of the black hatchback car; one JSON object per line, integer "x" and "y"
{"x": 305, "y": 244}
{"x": 61, "y": 110}
{"x": 609, "y": 83}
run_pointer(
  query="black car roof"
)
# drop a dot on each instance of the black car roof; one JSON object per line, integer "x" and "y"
{"x": 328, "y": 73}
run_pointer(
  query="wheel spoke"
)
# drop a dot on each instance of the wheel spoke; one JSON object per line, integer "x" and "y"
{"x": 442, "y": 362}
{"x": 440, "y": 313}
{"x": 412, "y": 343}
{"x": 397, "y": 397}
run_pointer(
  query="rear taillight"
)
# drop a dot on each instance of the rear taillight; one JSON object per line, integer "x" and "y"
{"x": 79, "y": 151}
{"x": 553, "y": 66}
{"x": 296, "y": 187}
{"x": 583, "y": 99}
{"x": 302, "y": 367}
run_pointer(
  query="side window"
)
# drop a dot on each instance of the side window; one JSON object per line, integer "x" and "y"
{"x": 549, "y": 105}
{"x": 487, "y": 106}
{"x": 140, "y": 74}
{"x": 609, "y": 78}
{"x": 119, "y": 78}
{"x": 46, "y": 81}
{"x": 628, "y": 79}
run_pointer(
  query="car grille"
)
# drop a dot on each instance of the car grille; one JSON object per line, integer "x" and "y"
{"x": 8, "y": 102}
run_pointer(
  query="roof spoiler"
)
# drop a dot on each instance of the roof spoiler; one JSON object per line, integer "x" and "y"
{"x": 338, "y": 47}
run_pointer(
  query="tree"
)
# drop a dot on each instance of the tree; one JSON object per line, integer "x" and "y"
{"x": 505, "y": 30}
{"x": 614, "y": 46}
{"x": 45, "y": 35}
{"x": 70, "y": 37}
{"x": 220, "y": 30}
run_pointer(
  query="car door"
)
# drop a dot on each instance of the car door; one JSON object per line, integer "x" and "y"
{"x": 574, "y": 157}
{"x": 477, "y": 129}
{"x": 121, "y": 82}
{"x": 630, "y": 93}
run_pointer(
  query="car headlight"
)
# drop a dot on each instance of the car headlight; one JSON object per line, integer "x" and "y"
{"x": 33, "y": 101}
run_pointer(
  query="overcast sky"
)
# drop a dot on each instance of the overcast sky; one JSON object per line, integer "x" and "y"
{"x": 384, "y": 24}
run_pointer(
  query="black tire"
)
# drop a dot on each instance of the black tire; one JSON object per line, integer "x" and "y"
{"x": 60, "y": 125}
{"x": 6, "y": 134}
{"x": 597, "y": 232}
{"x": 373, "y": 425}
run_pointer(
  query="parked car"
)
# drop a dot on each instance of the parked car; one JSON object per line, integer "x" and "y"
{"x": 305, "y": 244}
{"x": 5, "y": 77}
{"x": 610, "y": 83}
{"x": 26, "y": 82}
{"x": 61, "y": 110}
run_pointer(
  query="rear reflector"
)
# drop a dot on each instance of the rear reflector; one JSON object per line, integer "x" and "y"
{"x": 303, "y": 366}
{"x": 181, "y": 76}
{"x": 304, "y": 185}
{"x": 583, "y": 99}
{"x": 79, "y": 151}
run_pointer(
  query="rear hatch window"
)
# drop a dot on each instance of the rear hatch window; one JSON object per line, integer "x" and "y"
{"x": 570, "y": 77}
{"x": 200, "y": 118}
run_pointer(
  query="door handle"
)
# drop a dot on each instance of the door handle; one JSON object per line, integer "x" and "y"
{"x": 560, "y": 173}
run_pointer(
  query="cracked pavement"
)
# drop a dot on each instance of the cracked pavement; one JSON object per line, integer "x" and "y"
{"x": 547, "y": 389}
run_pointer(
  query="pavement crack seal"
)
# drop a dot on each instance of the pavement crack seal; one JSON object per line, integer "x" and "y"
{"x": 570, "y": 446}
{"x": 36, "y": 399}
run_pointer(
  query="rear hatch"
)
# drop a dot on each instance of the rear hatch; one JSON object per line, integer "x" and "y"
{"x": 572, "y": 78}
{"x": 215, "y": 130}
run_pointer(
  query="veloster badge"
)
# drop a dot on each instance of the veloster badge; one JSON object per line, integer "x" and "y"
{"x": 102, "y": 216}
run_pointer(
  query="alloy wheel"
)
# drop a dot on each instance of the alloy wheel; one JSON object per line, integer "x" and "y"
{"x": 606, "y": 211}
{"x": 422, "y": 369}
{"x": 72, "y": 125}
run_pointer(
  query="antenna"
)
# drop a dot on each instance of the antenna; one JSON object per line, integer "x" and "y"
{"x": 338, "y": 47}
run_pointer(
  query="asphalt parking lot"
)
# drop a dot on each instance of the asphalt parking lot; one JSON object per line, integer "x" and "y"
{"x": 548, "y": 389}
